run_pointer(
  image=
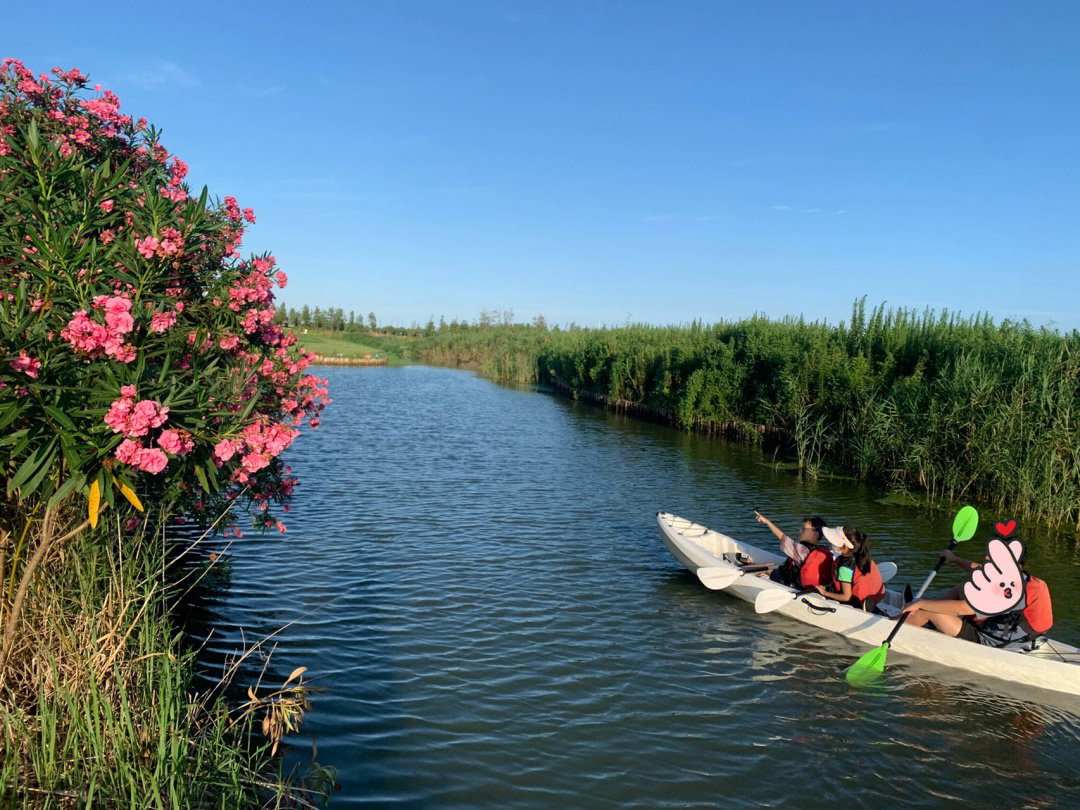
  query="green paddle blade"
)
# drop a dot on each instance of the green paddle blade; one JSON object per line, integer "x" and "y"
{"x": 869, "y": 667}
{"x": 963, "y": 527}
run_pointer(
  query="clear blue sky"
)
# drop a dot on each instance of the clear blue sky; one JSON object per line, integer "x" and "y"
{"x": 596, "y": 162}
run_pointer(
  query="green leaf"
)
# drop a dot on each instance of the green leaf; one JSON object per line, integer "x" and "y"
{"x": 60, "y": 417}
{"x": 74, "y": 481}
{"x": 32, "y": 136}
{"x": 202, "y": 479}
{"x": 40, "y": 458}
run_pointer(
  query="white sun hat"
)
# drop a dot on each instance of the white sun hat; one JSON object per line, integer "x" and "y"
{"x": 836, "y": 537}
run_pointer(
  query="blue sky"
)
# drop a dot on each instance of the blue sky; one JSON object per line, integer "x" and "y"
{"x": 599, "y": 162}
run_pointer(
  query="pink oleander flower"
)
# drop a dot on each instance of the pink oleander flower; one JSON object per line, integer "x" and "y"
{"x": 119, "y": 321}
{"x": 253, "y": 462}
{"x": 148, "y": 246}
{"x": 152, "y": 411}
{"x": 84, "y": 334}
{"x": 128, "y": 452}
{"x": 177, "y": 442}
{"x": 107, "y": 205}
{"x": 229, "y": 342}
{"x": 232, "y": 209}
{"x": 177, "y": 172}
{"x": 162, "y": 321}
{"x": 282, "y": 279}
{"x": 119, "y": 413}
{"x": 152, "y": 460}
{"x": 26, "y": 364}
{"x": 226, "y": 448}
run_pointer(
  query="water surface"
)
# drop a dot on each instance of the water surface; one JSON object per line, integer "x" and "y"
{"x": 473, "y": 574}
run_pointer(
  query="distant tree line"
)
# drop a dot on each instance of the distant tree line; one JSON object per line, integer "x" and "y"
{"x": 334, "y": 319}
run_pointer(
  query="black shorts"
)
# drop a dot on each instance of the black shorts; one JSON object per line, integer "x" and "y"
{"x": 968, "y": 631}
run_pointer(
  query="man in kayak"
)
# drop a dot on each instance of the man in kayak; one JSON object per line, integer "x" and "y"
{"x": 1030, "y": 618}
{"x": 856, "y": 579}
{"x": 808, "y": 563}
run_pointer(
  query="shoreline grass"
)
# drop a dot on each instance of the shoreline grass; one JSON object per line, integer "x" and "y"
{"x": 96, "y": 707}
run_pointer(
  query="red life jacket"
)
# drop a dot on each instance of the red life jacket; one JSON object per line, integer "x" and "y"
{"x": 863, "y": 586}
{"x": 869, "y": 585}
{"x": 816, "y": 569}
{"x": 1038, "y": 612}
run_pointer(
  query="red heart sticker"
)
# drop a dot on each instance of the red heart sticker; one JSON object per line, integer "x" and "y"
{"x": 1005, "y": 529}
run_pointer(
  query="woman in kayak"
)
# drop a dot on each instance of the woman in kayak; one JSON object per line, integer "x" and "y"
{"x": 1032, "y": 617}
{"x": 856, "y": 579}
{"x": 808, "y": 563}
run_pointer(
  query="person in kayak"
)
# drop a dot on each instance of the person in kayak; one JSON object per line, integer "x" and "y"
{"x": 856, "y": 580}
{"x": 808, "y": 563}
{"x": 1031, "y": 618}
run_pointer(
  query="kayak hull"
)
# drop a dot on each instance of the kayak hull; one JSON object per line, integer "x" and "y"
{"x": 1053, "y": 665}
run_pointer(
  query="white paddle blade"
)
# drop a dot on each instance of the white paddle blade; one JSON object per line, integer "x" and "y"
{"x": 769, "y": 600}
{"x": 719, "y": 577}
{"x": 887, "y": 571}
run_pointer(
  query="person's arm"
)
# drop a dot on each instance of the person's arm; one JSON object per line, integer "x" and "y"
{"x": 843, "y": 596}
{"x": 950, "y": 607}
{"x": 772, "y": 526}
{"x": 788, "y": 546}
{"x": 954, "y": 559}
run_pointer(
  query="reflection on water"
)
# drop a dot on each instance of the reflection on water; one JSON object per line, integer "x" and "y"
{"x": 474, "y": 575}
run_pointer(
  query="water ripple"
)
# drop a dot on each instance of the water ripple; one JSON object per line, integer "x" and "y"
{"x": 475, "y": 582}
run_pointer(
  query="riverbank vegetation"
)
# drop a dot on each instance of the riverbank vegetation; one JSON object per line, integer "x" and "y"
{"x": 143, "y": 385}
{"x": 936, "y": 404}
{"x": 326, "y": 343}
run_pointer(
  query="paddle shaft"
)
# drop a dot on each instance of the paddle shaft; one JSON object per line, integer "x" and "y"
{"x": 930, "y": 578}
{"x": 922, "y": 590}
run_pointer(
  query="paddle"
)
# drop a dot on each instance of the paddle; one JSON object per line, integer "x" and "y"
{"x": 872, "y": 664}
{"x": 716, "y": 578}
{"x": 774, "y": 598}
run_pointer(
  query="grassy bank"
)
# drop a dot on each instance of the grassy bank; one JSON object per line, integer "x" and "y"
{"x": 936, "y": 404}
{"x": 96, "y": 707}
{"x": 342, "y": 344}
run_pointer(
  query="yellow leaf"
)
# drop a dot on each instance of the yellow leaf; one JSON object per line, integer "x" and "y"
{"x": 296, "y": 673}
{"x": 129, "y": 493}
{"x": 95, "y": 502}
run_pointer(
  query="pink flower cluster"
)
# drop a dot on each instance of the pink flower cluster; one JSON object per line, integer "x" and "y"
{"x": 162, "y": 321}
{"x": 26, "y": 364}
{"x": 232, "y": 209}
{"x": 135, "y": 419}
{"x": 259, "y": 442}
{"x": 89, "y": 337}
{"x": 175, "y": 441}
{"x": 170, "y": 244}
{"x": 145, "y": 459}
{"x": 254, "y": 288}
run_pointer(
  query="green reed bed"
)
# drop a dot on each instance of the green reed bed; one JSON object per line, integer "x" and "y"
{"x": 957, "y": 408}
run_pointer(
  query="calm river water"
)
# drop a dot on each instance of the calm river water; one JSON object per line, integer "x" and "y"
{"x": 474, "y": 577}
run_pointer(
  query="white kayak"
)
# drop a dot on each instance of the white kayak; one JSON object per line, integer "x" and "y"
{"x": 1049, "y": 665}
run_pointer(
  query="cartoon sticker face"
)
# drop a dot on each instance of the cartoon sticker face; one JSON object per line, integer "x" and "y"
{"x": 998, "y": 586}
